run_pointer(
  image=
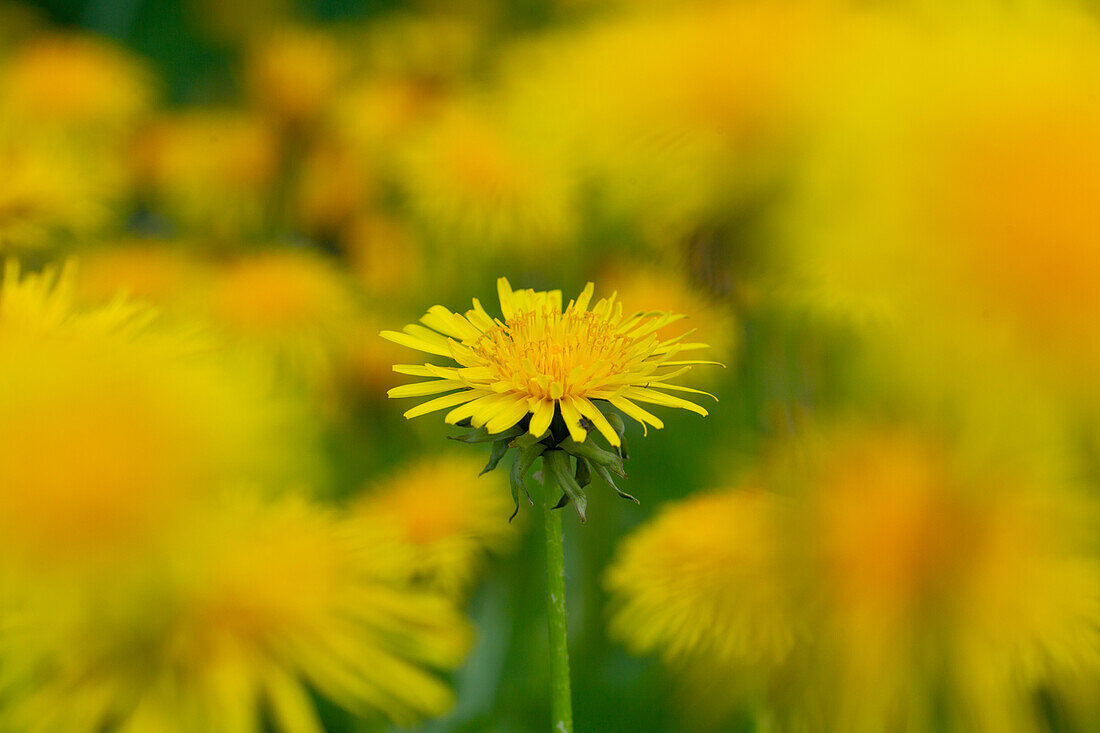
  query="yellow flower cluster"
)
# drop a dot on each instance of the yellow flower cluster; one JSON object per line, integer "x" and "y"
{"x": 159, "y": 569}
{"x": 873, "y": 578}
{"x": 883, "y": 217}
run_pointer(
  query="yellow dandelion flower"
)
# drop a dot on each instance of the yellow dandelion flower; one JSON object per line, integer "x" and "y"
{"x": 75, "y": 81}
{"x": 910, "y": 584}
{"x": 52, "y": 189}
{"x": 116, "y": 425}
{"x": 467, "y": 178}
{"x": 673, "y": 115}
{"x": 291, "y": 73}
{"x": 705, "y": 580}
{"x": 935, "y": 577}
{"x": 332, "y": 188}
{"x": 384, "y": 254}
{"x": 543, "y": 360}
{"x": 150, "y": 271}
{"x": 293, "y": 304}
{"x": 377, "y": 116}
{"x": 211, "y": 169}
{"x": 439, "y": 47}
{"x": 449, "y": 515}
{"x": 251, "y": 606}
{"x": 964, "y": 197}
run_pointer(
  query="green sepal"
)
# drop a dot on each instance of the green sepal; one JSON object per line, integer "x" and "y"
{"x": 606, "y": 476}
{"x": 525, "y": 458}
{"x": 500, "y": 448}
{"x": 583, "y": 474}
{"x": 482, "y": 435}
{"x": 619, "y": 427}
{"x": 557, "y": 462}
{"x": 524, "y": 440}
{"x": 594, "y": 454}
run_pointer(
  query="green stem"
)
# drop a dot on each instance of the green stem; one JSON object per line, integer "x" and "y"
{"x": 561, "y": 703}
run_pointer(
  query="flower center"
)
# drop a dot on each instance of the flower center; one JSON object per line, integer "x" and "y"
{"x": 548, "y": 354}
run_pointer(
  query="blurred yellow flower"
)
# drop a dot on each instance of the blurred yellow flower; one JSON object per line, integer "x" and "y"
{"x": 961, "y": 200}
{"x": 377, "y": 116}
{"x": 333, "y": 188}
{"x": 51, "y": 190}
{"x": 541, "y": 359}
{"x": 915, "y": 583}
{"x": 384, "y": 256}
{"x": 75, "y": 81}
{"x": 468, "y": 180}
{"x": 937, "y": 574}
{"x": 436, "y": 48}
{"x": 449, "y": 515}
{"x": 251, "y": 606}
{"x": 148, "y": 270}
{"x": 293, "y": 72}
{"x": 211, "y": 170}
{"x": 675, "y": 116}
{"x": 706, "y": 580}
{"x": 294, "y": 304}
{"x": 115, "y": 425}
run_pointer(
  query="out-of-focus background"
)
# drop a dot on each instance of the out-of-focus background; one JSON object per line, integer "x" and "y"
{"x": 884, "y": 217}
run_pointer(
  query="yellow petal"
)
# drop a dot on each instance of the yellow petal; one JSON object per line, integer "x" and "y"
{"x": 509, "y": 416}
{"x": 504, "y": 291}
{"x": 420, "y": 389}
{"x": 584, "y": 298}
{"x": 413, "y": 342}
{"x": 442, "y": 403}
{"x": 541, "y": 417}
{"x": 593, "y": 413}
{"x": 572, "y": 417}
{"x": 642, "y": 394}
{"x": 641, "y": 415}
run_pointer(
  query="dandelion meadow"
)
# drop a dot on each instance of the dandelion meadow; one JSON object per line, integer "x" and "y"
{"x": 718, "y": 366}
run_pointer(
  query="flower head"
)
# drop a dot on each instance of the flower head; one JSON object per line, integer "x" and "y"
{"x": 543, "y": 360}
{"x": 537, "y": 376}
{"x": 117, "y": 424}
{"x": 898, "y": 578}
{"x": 72, "y": 80}
{"x": 449, "y": 516}
{"x": 236, "y": 618}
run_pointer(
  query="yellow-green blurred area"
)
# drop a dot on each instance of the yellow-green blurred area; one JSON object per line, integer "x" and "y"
{"x": 884, "y": 217}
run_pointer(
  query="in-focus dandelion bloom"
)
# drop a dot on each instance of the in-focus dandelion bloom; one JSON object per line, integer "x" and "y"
{"x": 447, "y": 514}
{"x": 230, "y": 626}
{"x": 543, "y": 360}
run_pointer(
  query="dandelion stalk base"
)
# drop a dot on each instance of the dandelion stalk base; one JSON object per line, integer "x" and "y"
{"x": 561, "y": 702}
